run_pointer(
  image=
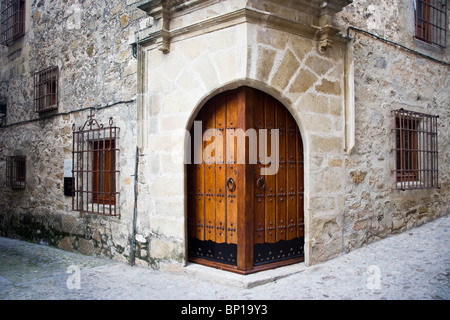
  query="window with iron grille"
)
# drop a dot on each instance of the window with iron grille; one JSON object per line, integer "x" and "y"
{"x": 12, "y": 21}
{"x": 16, "y": 172}
{"x": 416, "y": 150}
{"x": 46, "y": 89}
{"x": 431, "y": 21}
{"x": 95, "y": 174}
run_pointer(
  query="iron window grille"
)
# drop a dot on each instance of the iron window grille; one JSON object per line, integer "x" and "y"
{"x": 416, "y": 150}
{"x": 16, "y": 172}
{"x": 46, "y": 89}
{"x": 12, "y": 21}
{"x": 95, "y": 174}
{"x": 431, "y": 21}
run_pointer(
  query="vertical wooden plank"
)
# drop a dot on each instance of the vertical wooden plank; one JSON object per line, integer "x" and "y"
{"x": 220, "y": 171}
{"x": 199, "y": 189}
{"x": 209, "y": 144}
{"x": 270, "y": 199}
{"x": 291, "y": 167}
{"x": 244, "y": 184}
{"x": 258, "y": 179}
{"x": 190, "y": 169}
{"x": 280, "y": 112}
{"x": 231, "y": 168}
{"x": 300, "y": 186}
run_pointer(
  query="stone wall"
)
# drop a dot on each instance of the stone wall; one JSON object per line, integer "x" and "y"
{"x": 90, "y": 43}
{"x": 387, "y": 78}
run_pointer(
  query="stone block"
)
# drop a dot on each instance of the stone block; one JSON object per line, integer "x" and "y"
{"x": 206, "y": 71}
{"x": 277, "y": 40}
{"x": 72, "y": 225}
{"x": 317, "y": 123}
{"x": 358, "y": 176}
{"x": 167, "y": 185}
{"x": 300, "y": 46}
{"x": 327, "y": 180}
{"x": 335, "y": 162}
{"x": 266, "y": 58}
{"x": 66, "y": 244}
{"x": 166, "y": 250}
{"x": 321, "y": 144}
{"x": 305, "y": 80}
{"x": 313, "y": 103}
{"x": 288, "y": 67}
{"x": 227, "y": 65}
{"x": 322, "y": 204}
{"x": 167, "y": 227}
{"x": 319, "y": 65}
{"x": 85, "y": 246}
{"x": 329, "y": 87}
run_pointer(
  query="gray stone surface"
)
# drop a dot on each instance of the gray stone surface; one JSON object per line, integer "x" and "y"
{"x": 414, "y": 265}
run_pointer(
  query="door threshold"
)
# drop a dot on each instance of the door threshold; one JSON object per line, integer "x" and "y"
{"x": 245, "y": 281}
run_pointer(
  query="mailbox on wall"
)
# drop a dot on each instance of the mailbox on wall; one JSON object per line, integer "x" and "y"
{"x": 68, "y": 178}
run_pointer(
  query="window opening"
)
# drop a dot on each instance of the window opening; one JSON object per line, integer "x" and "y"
{"x": 46, "y": 89}
{"x": 12, "y": 21}
{"x": 431, "y": 21}
{"x": 416, "y": 150}
{"x": 95, "y": 173}
{"x": 16, "y": 172}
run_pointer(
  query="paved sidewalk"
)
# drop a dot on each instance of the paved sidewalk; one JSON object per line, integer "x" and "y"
{"x": 412, "y": 265}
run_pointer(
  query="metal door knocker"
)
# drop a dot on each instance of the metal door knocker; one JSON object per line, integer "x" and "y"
{"x": 230, "y": 184}
{"x": 261, "y": 183}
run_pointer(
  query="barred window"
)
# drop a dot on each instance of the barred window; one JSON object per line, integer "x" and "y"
{"x": 95, "y": 174}
{"x": 12, "y": 21}
{"x": 431, "y": 21}
{"x": 416, "y": 150}
{"x": 16, "y": 172}
{"x": 46, "y": 89}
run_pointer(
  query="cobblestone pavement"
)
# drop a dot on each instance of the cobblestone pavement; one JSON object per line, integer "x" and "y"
{"x": 414, "y": 265}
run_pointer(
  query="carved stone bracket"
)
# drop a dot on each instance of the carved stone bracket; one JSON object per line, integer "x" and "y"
{"x": 325, "y": 35}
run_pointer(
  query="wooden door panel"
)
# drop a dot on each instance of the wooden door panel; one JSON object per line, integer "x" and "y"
{"x": 281, "y": 174}
{"x": 231, "y": 166}
{"x": 282, "y": 211}
{"x": 291, "y": 176}
{"x": 259, "y": 224}
{"x": 199, "y": 188}
{"x": 209, "y": 144}
{"x": 221, "y": 216}
{"x": 270, "y": 189}
{"x": 300, "y": 186}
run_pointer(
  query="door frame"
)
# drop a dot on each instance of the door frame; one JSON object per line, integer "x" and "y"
{"x": 245, "y": 264}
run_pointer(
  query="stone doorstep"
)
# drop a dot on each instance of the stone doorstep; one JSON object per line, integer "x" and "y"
{"x": 228, "y": 278}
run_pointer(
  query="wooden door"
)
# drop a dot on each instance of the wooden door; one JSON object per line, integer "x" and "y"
{"x": 278, "y": 217}
{"x": 213, "y": 188}
{"x": 239, "y": 219}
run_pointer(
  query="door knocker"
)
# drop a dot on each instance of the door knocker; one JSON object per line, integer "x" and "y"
{"x": 261, "y": 183}
{"x": 230, "y": 184}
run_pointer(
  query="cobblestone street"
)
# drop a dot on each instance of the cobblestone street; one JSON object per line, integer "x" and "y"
{"x": 414, "y": 265}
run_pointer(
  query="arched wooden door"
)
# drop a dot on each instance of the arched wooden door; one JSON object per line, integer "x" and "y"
{"x": 241, "y": 218}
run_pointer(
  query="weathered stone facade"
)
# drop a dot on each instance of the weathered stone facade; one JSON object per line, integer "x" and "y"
{"x": 152, "y": 69}
{"x": 387, "y": 77}
{"x": 89, "y": 42}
